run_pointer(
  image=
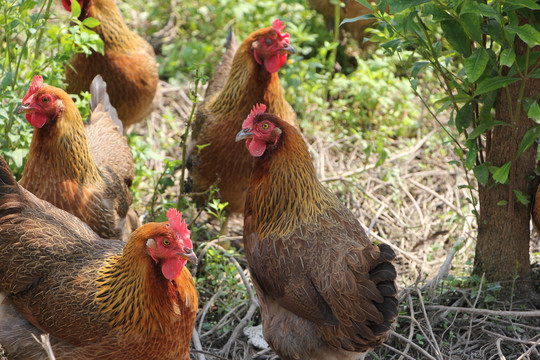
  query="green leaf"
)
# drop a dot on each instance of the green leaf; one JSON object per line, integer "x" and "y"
{"x": 471, "y": 24}
{"x": 534, "y": 112}
{"x": 367, "y": 4}
{"x": 524, "y": 199}
{"x": 527, "y": 33}
{"x": 397, "y": 6}
{"x": 501, "y": 174}
{"x": 91, "y": 22}
{"x": 437, "y": 12}
{"x": 417, "y": 66}
{"x": 481, "y": 173}
{"x": 502, "y": 203}
{"x": 476, "y": 64}
{"x": 528, "y": 139}
{"x": 18, "y": 156}
{"x": 464, "y": 117}
{"x": 6, "y": 80}
{"x": 456, "y": 36}
{"x": 494, "y": 83}
{"x": 3, "y": 114}
{"x": 75, "y": 9}
{"x": 470, "y": 159}
{"x": 530, "y": 4}
{"x": 508, "y": 56}
{"x": 485, "y": 126}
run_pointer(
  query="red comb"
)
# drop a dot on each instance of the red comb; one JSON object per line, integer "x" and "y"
{"x": 278, "y": 25}
{"x": 179, "y": 225}
{"x": 37, "y": 83}
{"x": 258, "y": 109}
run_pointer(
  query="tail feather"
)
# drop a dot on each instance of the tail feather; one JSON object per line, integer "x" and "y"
{"x": 221, "y": 74}
{"x": 6, "y": 176}
{"x": 384, "y": 276}
{"x": 98, "y": 89}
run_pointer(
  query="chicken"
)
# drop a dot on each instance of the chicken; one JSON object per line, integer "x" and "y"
{"x": 325, "y": 291}
{"x": 350, "y": 10}
{"x": 252, "y": 77}
{"x": 97, "y": 298}
{"x": 128, "y": 66}
{"x": 85, "y": 170}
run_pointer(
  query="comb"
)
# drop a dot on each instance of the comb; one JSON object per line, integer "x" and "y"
{"x": 258, "y": 109}
{"x": 179, "y": 225}
{"x": 37, "y": 84}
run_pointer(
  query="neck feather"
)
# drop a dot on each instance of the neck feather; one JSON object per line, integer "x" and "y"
{"x": 113, "y": 29}
{"x": 249, "y": 83}
{"x": 135, "y": 295}
{"x": 61, "y": 148}
{"x": 284, "y": 192}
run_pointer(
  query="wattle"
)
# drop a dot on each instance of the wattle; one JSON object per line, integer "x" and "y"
{"x": 256, "y": 148}
{"x": 275, "y": 62}
{"x": 172, "y": 267}
{"x": 36, "y": 120}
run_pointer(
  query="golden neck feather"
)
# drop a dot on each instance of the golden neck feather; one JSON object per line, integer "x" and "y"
{"x": 61, "y": 148}
{"x": 285, "y": 192}
{"x": 133, "y": 293}
{"x": 113, "y": 29}
{"x": 248, "y": 83}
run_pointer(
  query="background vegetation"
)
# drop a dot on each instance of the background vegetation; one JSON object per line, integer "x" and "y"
{"x": 372, "y": 141}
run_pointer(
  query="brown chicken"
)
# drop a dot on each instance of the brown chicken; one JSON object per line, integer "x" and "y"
{"x": 326, "y": 292}
{"x": 350, "y": 10}
{"x": 85, "y": 170}
{"x": 251, "y": 77}
{"x": 128, "y": 67}
{"x": 97, "y": 298}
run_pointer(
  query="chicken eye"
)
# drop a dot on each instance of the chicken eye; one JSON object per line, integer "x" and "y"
{"x": 166, "y": 242}
{"x": 265, "y": 126}
{"x": 268, "y": 41}
{"x": 45, "y": 99}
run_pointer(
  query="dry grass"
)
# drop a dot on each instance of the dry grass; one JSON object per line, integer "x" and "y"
{"x": 413, "y": 203}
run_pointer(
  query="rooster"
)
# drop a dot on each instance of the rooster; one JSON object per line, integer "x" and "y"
{"x": 251, "y": 77}
{"x": 85, "y": 170}
{"x": 97, "y": 298}
{"x": 325, "y": 291}
{"x": 128, "y": 66}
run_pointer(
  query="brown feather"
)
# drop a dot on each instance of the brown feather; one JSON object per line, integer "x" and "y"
{"x": 225, "y": 162}
{"x": 85, "y": 170}
{"x": 96, "y": 298}
{"x": 326, "y": 292}
{"x": 128, "y": 66}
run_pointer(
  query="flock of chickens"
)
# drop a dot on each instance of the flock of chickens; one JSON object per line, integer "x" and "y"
{"x": 77, "y": 264}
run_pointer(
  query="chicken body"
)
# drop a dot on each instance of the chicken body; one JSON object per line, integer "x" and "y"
{"x": 349, "y": 10}
{"x": 83, "y": 169}
{"x": 226, "y": 105}
{"x": 326, "y": 292}
{"x": 128, "y": 66}
{"x": 98, "y": 299}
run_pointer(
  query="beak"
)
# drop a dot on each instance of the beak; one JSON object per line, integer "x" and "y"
{"x": 289, "y": 49}
{"x": 189, "y": 256}
{"x": 24, "y": 109}
{"x": 244, "y": 134}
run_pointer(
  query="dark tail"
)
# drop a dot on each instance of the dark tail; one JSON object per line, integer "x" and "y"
{"x": 6, "y": 176}
{"x": 98, "y": 89}
{"x": 10, "y": 195}
{"x": 221, "y": 74}
{"x": 384, "y": 276}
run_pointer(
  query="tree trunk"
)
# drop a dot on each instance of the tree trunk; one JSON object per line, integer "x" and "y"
{"x": 502, "y": 250}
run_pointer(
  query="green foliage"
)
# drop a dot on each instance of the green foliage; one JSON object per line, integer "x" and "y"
{"x": 467, "y": 44}
{"x": 30, "y": 45}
